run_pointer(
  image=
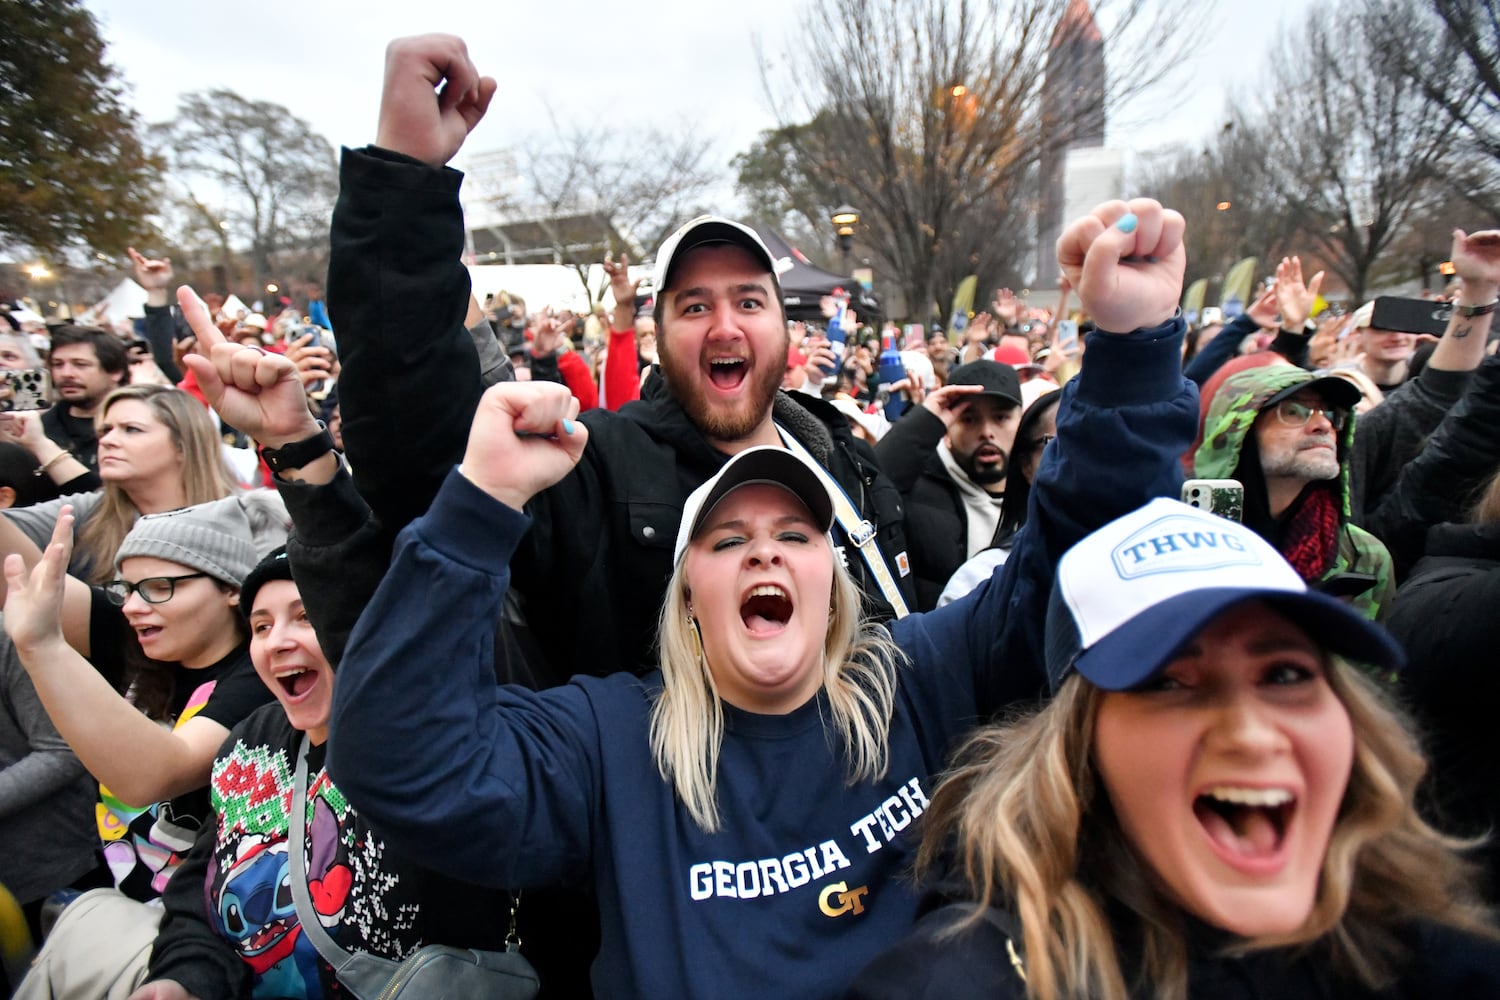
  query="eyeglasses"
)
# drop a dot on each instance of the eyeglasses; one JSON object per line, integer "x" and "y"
{"x": 1294, "y": 413}
{"x": 153, "y": 589}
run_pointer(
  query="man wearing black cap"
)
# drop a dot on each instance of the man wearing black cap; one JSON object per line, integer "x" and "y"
{"x": 1286, "y": 435}
{"x": 950, "y": 458}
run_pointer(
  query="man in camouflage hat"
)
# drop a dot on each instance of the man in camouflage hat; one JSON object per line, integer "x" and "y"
{"x": 1286, "y": 434}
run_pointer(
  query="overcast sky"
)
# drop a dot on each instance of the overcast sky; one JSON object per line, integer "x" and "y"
{"x": 674, "y": 63}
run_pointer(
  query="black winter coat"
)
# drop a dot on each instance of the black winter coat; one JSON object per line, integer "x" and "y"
{"x": 979, "y": 962}
{"x": 937, "y": 526}
{"x": 1444, "y": 614}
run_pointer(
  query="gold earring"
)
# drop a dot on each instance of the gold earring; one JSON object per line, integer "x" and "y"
{"x": 697, "y": 637}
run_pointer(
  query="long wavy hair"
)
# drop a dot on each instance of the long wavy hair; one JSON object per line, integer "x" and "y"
{"x": 687, "y": 720}
{"x": 1024, "y": 817}
{"x": 204, "y": 475}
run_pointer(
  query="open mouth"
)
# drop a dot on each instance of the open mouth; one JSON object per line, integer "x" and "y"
{"x": 728, "y": 373}
{"x": 148, "y": 632}
{"x": 298, "y": 682}
{"x": 1249, "y": 823}
{"x": 767, "y": 609}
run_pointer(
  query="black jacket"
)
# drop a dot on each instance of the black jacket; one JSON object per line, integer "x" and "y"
{"x": 1438, "y": 484}
{"x": 937, "y": 526}
{"x": 1444, "y": 614}
{"x": 933, "y": 964}
{"x": 594, "y": 566}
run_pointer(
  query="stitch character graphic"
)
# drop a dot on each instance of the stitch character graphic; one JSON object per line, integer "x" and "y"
{"x": 254, "y": 907}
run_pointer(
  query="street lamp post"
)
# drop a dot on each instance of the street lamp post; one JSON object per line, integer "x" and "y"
{"x": 844, "y": 219}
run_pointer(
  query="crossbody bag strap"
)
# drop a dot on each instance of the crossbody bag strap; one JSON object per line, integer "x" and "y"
{"x": 296, "y": 844}
{"x": 859, "y": 530}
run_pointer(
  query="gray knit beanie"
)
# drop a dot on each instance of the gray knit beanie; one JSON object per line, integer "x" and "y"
{"x": 213, "y": 538}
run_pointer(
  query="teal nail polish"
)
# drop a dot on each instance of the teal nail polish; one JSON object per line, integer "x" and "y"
{"x": 567, "y": 427}
{"x": 1126, "y": 223}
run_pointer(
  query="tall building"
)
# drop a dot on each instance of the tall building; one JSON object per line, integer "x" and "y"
{"x": 1072, "y": 110}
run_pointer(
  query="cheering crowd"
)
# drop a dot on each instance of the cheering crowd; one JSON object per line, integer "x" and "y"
{"x": 1121, "y": 660}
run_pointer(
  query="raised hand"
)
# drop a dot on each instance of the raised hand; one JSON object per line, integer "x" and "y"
{"x": 547, "y": 334}
{"x": 1126, "y": 261}
{"x": 258, "y": 392}
{"x": 1264, "y": 309}
{"x": 432, "y": 98}
{"x": 33, "y": 601}
{"x": 948, "y": 402}
{"x": 623, "y": 289}
{"x": 154, "y": 275}
{"x": 314, "y": 364}
{"x": 1476, "y": 259}
{"x": 524, "y": 438}
{"x": 1006, "y": 307}
{"x": 24, "y": 429}
{"x": 1294, "y": 298}
{"x": 979, "y": 329}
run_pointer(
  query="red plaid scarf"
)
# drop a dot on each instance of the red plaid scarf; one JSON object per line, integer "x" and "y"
{"x": 1312, "y": 535}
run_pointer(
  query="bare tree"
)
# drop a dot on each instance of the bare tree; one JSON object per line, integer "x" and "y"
{"x": 1347, "y": 146}
{"x": 586, "y": 190}
{"x": 933, "y": 127}
{"x": 1451, "y": 50}
{"x": 255, "y": 171}
{"x": 1222, "y": 195}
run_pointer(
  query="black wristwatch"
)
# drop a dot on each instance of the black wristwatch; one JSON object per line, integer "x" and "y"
{"x": 299, "y": 453}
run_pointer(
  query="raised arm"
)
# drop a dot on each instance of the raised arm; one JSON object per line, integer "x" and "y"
{"x": 466, "y": 774}
{"x": 155, "y": 276}
{"x": 398, "y": 291}
{"x": 1394, "y": 433}
{"x": 622, "y": 369}
{"x": 1121, "y": 425}
{"x": 139, "y": 760}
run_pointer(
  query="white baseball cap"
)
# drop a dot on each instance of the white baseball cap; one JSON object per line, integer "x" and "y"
{"x": 707, "y": 230}
{"x": 1129, "y": 596}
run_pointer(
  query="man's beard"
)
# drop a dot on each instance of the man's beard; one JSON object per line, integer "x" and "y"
{"x": 1303, "y": 464}
{"x": 983, "y": 475}
{"x": 722, "y": 423}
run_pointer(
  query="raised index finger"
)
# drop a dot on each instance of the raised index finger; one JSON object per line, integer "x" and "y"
{"x": 195, "y": 311}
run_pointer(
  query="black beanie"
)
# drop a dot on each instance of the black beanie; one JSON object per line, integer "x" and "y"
{"x": 275, "y": 566}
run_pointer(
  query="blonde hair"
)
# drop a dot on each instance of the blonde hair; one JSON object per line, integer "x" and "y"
{"x": 1025, "y": 811}
{"x": 687, "y": 718}
{"x": 204, "y": 475}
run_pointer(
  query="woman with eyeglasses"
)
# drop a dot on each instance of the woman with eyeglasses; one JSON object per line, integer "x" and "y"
{"x": 162, "y": 644}
{"x": 1286, "y": 435}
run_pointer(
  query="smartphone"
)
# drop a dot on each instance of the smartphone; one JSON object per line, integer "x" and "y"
{"x": 1224, "y": 497}
{"x": 1067, "y": 337}
{"x": 25, "y": 389}
{"x": 1403, "y": 315}
{"x": 320, "y": 338}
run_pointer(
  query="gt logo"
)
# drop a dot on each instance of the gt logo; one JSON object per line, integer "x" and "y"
{"x": 848, "y": 899}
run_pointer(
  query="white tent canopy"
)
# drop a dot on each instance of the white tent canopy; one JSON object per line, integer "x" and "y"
{"x": 555, "y": 285}
{"x": 126, "y": 301}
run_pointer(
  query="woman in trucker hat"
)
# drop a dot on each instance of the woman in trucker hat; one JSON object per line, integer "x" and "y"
{"x": 1215, "y": 802}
